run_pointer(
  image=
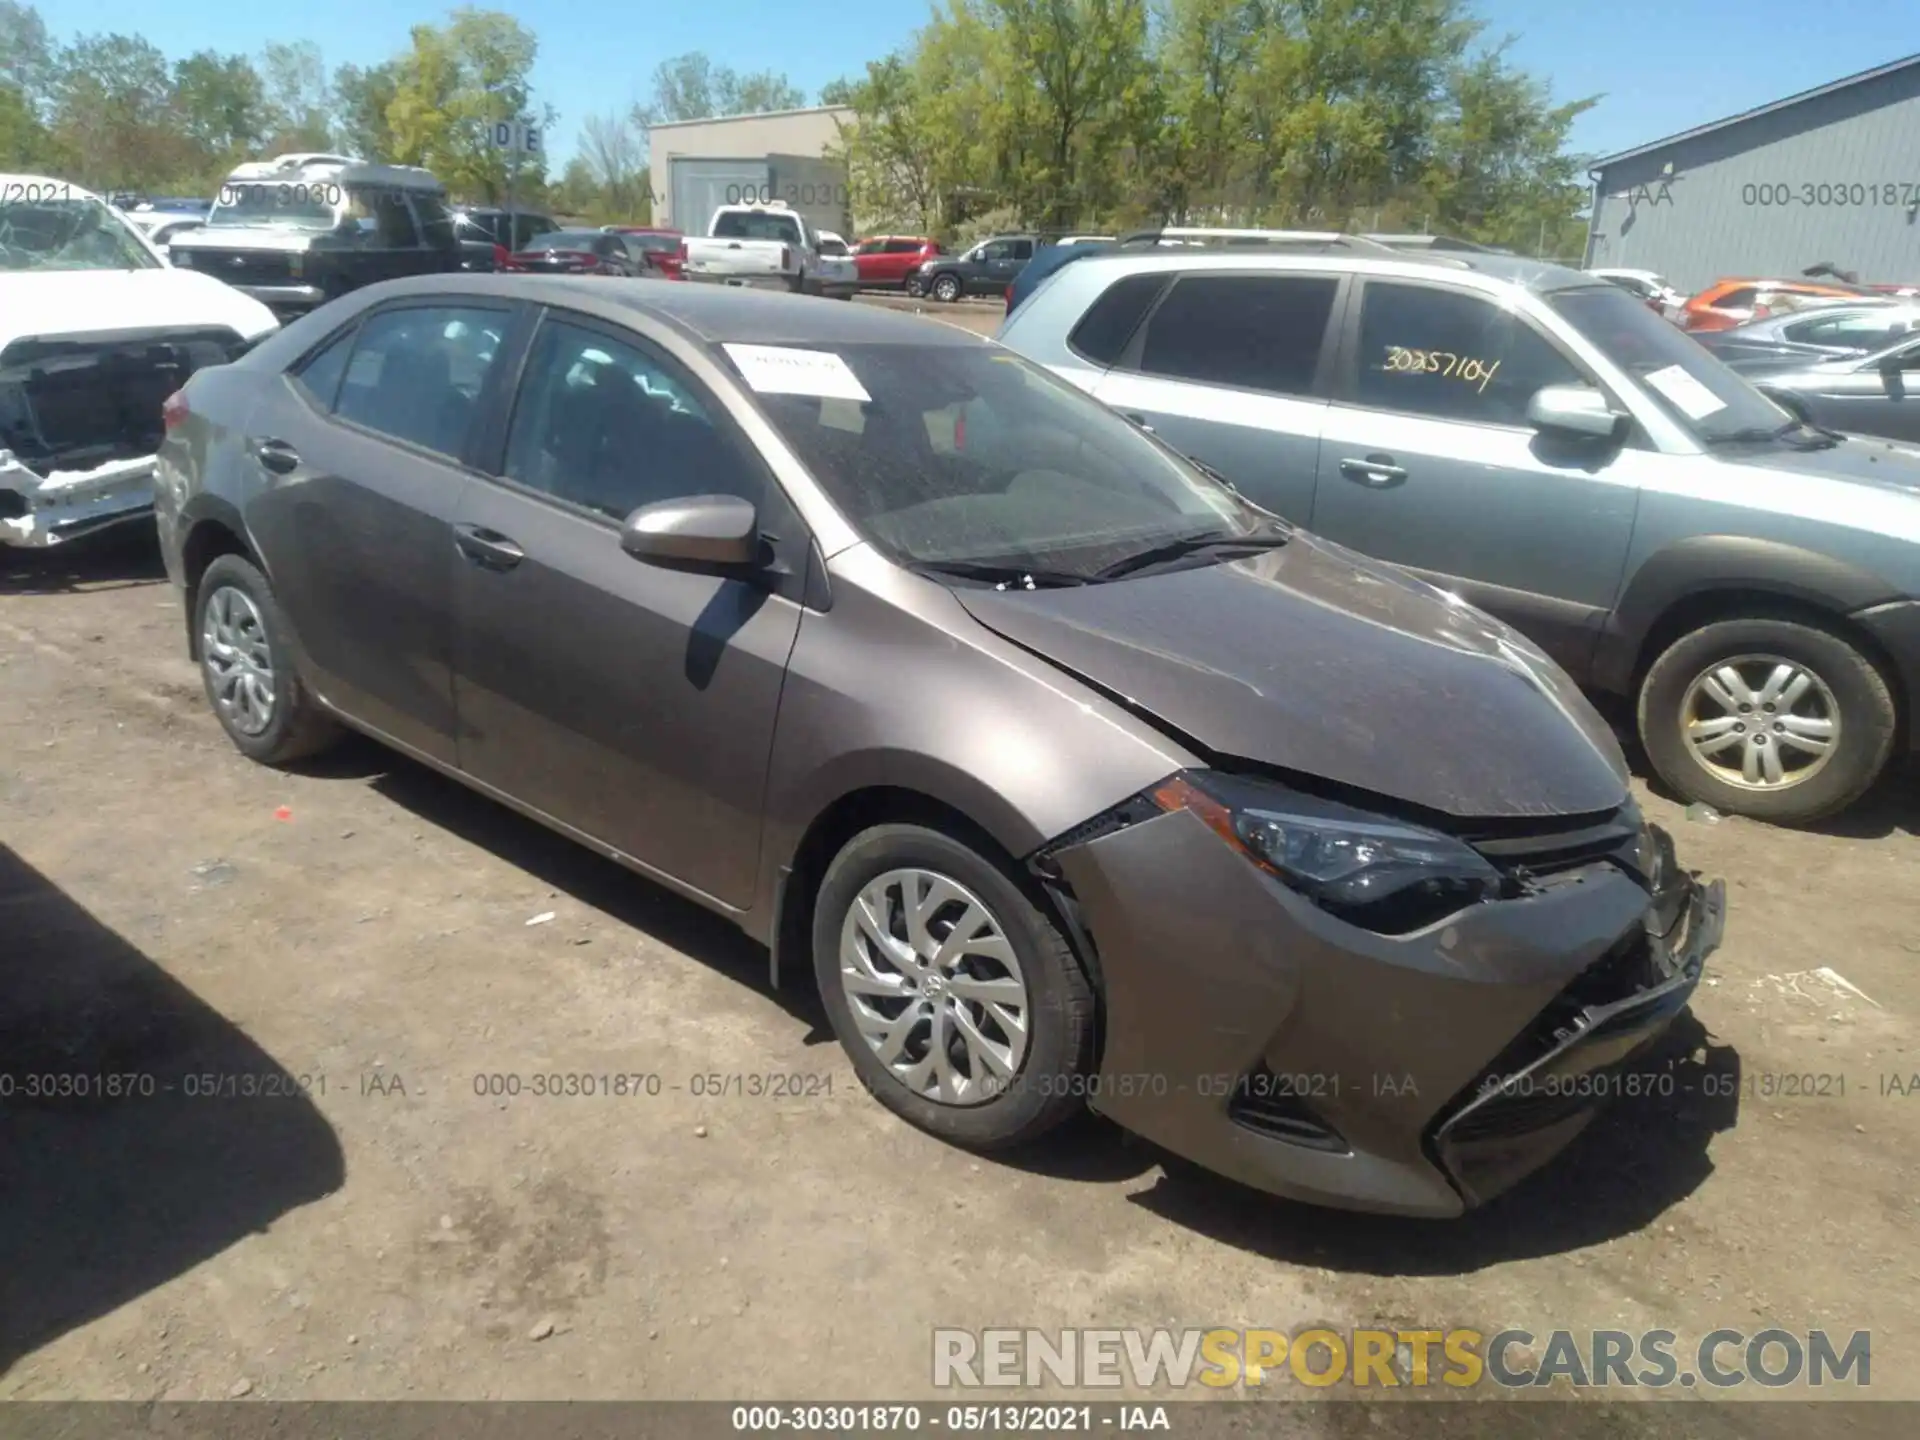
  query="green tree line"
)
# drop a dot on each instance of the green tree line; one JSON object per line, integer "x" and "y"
{"x": 1071, "y": 114}
{"x": 1382, "y": 115}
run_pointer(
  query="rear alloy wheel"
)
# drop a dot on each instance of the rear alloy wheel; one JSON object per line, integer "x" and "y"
{"x": 913, "y": 287}
{"x": 1775, "y": 719}
{"x": 946, "y": 289}
{"x": 958, "y": 1000}
{"x": 245, "y": 663}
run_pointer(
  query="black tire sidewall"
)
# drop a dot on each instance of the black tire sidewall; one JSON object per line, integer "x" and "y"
{"x": 289, "y": 697}
{"x": 1867, "y": 717}
{"x": 942, "y": 287}
{"x": 1059, "y": 1049}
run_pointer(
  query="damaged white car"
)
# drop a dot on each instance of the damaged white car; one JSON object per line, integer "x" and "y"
{"x": 96, "y": 331}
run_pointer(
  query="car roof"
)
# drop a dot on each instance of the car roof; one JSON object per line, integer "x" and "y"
{"x": 708, "y": 313}
{"x": 1412, "y": 265}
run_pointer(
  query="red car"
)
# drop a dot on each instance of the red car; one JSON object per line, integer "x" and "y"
{"x": 666, "y": 250}
{"x": 885, "y": 261}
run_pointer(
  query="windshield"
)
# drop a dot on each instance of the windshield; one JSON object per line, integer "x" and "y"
{"x": 565, "y": 240}
{"x": 972, "y": 455}
{"x": 832, "y": 247}
{"x": 293, "y": 204}
{"x": 69, "y": 231}
{"x": 756, "y": 225}
{"x": 655, "y": 244}
{"x": 1689, "y": 383}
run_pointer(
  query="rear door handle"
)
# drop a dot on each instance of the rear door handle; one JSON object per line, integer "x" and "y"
{"x": 488, "y": 549}
{"x": 277, "y": 456}
{"x": 1378, "y": 471}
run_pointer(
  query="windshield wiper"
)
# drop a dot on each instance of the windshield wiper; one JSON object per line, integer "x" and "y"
{"x": 1003, "y": 575}
{"x": 1191, "y": 545}
{"x": 1762, "y": 434}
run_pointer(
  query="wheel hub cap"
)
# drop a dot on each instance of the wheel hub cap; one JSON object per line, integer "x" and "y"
{"x": 237, "y": 660}
{"x": 934, "y": 986}
{"x": 1760, "y": 722}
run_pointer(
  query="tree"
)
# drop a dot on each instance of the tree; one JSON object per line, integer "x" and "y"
{"x": 692, "y": 87}
{"x": 222, "y": 106}
{"x": 26, "y": 55}
{"x": 298, "y": 97}
{"x": 24, "y": 140}
{"x": 361, "y": 99}
{"x": 451, "y": 87}
{"x": 113, "y": 113}
{"x": 614, "y": 153}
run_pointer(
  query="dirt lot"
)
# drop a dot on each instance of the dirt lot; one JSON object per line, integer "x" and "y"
{"x": 168, "y": 908}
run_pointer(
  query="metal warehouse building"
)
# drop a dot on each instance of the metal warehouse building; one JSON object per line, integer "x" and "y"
{"x": 1831, "y": 175}
{"x": 698, "y": 165}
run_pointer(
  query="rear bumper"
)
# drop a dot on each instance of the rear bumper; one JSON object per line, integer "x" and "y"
{"x": 747, "y": 282}
{"x": 1254, "y": 1034}
{"x": 38, "y": 511}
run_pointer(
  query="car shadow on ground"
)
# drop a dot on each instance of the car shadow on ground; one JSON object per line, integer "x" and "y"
{"x": 125, "y": 555}
{"x": 105, "y": 1197}
{"x": 572, "y": 869}
{"x": 1640, "y": 1156}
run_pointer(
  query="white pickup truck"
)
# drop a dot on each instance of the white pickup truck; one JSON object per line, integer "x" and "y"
{"x": 768, "y": 246}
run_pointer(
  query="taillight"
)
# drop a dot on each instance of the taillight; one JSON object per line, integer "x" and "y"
{"x": 786, "y": 258}
{"x": 681, "y": 254}
{"x": 173, "y": 409}
{"x": 500, "y": 256}
{"x": 1009, "y": 297}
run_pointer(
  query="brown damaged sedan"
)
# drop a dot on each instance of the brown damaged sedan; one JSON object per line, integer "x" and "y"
{"x": 1070, "y": 776}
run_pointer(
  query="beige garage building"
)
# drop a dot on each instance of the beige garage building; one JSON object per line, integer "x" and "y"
{"x": 698, "y": 165}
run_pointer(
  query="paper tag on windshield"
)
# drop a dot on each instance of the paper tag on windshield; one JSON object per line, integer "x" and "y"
{"x": 1696, "y": 402}
{"x": 781, "y": 370}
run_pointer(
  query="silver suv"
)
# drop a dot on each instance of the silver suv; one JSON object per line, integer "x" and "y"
{"x": 1540, "y": 443}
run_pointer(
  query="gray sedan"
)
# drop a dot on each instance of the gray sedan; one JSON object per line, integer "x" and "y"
{"x": 1807, "y": 337}
{"x": 1877, "y": 394}
{"x": 1063, "y": 771}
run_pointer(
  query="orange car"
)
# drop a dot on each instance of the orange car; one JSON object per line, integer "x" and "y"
{"x": 1727, "y": 303}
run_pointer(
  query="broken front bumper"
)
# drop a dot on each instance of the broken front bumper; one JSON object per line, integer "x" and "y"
{"x": 1253, "y": 1033}
{"x": 40, "y": 510}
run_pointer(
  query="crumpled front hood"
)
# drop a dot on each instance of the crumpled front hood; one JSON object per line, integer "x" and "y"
{"x": 1315, "y": 659}
{"x": 71, "y": 304}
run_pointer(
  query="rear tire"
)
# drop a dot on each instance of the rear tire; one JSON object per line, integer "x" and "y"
{"x": 1703, "y": 717}
{"x": 247, "y": 667}
{"x": 983, "y": 938}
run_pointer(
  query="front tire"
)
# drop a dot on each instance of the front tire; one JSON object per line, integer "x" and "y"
{"x": 958, "y": 999}
{"x": 946, "y": 289}
{"x": 1780, "y": 720}
{"x": 247, "y": 667}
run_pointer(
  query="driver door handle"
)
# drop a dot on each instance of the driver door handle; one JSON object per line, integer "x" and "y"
{"x": 1379, "y": 471}
{"x": 488, "y": 549}
{"x": 277, "y": 456}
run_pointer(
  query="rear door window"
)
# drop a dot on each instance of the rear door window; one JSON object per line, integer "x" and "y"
{"x": 1258, "y": 332}
{"x": 416, "y": 373}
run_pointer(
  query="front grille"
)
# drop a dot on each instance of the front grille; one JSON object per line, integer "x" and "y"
{"x": 76, "y": 404}
{"x": 1612, "y": 838}
{"x": 245, "y": 267}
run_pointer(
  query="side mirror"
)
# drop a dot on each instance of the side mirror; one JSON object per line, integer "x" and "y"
{"x": 1574, "y": 410}
{"x": 701, "y": 532}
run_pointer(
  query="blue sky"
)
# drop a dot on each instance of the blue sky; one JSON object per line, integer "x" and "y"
{"x": 1663, "y": 65}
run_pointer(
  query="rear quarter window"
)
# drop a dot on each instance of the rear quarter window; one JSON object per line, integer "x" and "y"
{"x": 1103, "y": 332}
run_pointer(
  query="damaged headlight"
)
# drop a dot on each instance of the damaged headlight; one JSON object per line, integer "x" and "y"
{"x": 1385, "y": 875}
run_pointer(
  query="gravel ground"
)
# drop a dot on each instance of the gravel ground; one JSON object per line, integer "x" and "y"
{"x": 386, "y": 1231}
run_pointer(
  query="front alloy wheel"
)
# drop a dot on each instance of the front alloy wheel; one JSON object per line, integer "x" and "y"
{"x": 952, "y": 986}
{"x": 1780, "y": 718}
{"x": 1761, "y": 722}
{"x": 946, "y": 289}
{"x": 934, "y": 986}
